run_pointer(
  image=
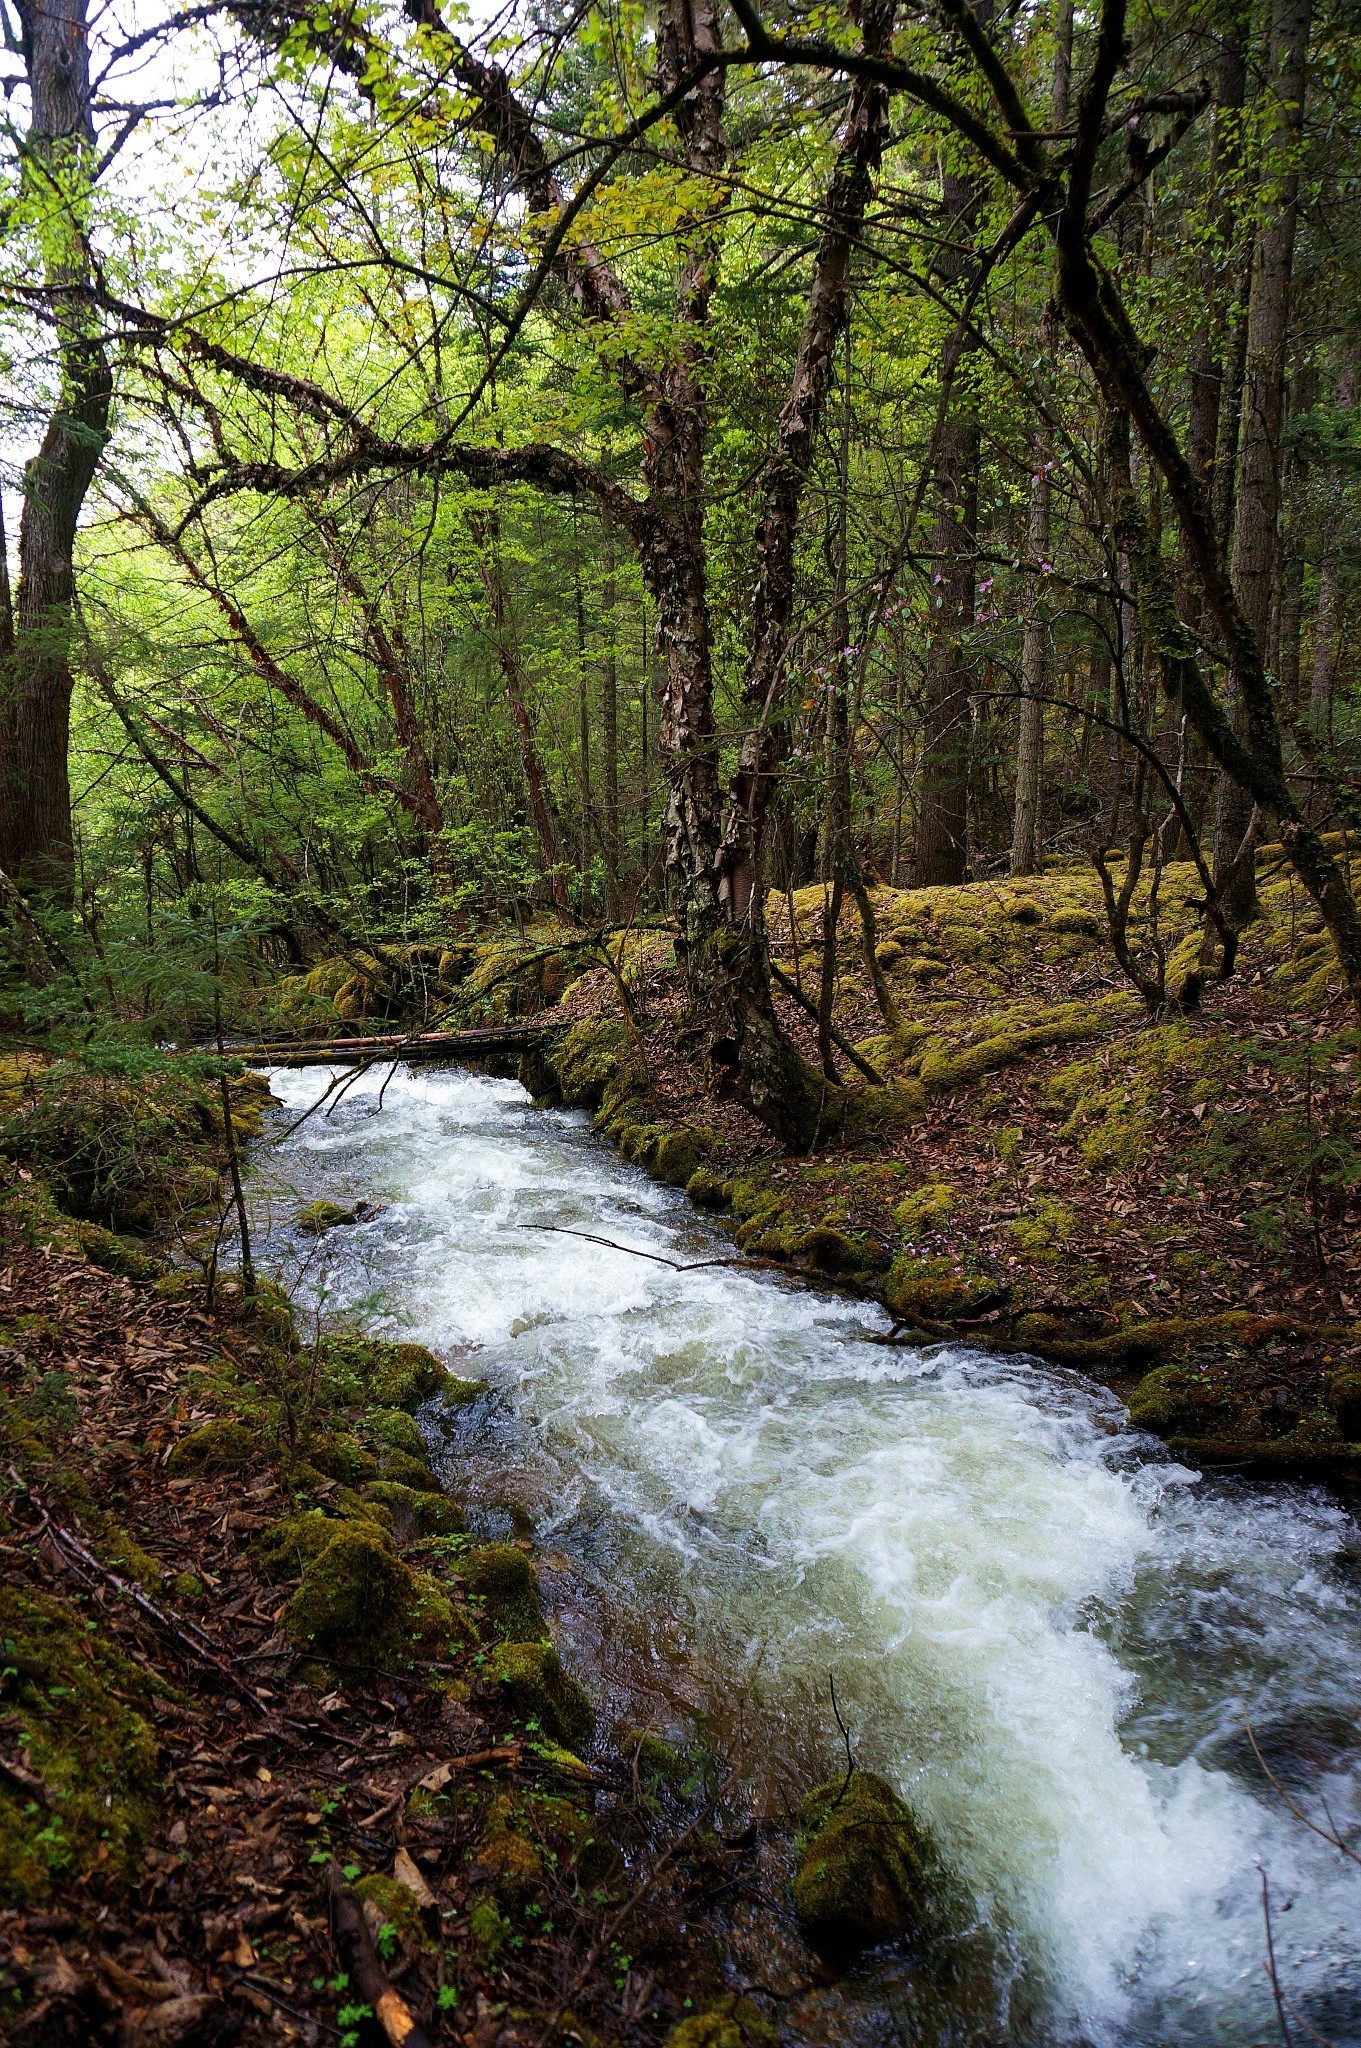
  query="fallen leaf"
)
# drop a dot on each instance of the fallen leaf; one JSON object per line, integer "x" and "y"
{"x": 406, "y": 1873}
{"x": 166, "y": 2026}
{"x": 243, "y": 1955}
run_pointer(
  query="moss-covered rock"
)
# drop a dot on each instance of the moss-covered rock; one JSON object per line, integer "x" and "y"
{"x": 404, "y": 1470}
{"x": 501, "y": 1580}
{"x": 935, "y": 1289}
{"x": 680, "y": 1154}
{"x": 223, "y": 1445}
{"x": 530, "y": 1678}
{"x": 654, "y": 1759}
{"x": 340, "y": 1455}
{"x": 359, "y": 1607}
{"x": 735, "y": 2022}
{"x": 75, "y": 1701}
{"x": 391, "y": 1375}
{"x": 398, "y": 1430}
{"x": 864, "y": 1867}
{"x": 319, "y": 1217}
{"x": 707, "y": 1190}
{"x": 416, "y": 1512}
{"x": 830, "y": 1251}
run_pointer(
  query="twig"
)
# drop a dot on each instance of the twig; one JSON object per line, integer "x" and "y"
{"x": 375, "y": 1987}
{"x": 695, "y": 1266}
{"x": 1282, "y": 2021}
{"x": 1328, "y": 1834}
{"x": 845, "y": 1737}
{"x": 27, "y": 1781}
{"x": 294, "y": 2013}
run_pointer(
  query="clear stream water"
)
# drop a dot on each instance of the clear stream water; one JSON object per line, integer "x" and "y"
{"x": 1048, "y": 1634}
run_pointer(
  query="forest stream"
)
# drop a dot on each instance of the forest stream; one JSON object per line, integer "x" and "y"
{"x": 1050, "y": 1637}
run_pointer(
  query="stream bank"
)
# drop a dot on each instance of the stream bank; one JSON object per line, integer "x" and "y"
{"x": 1040, "y": 1630}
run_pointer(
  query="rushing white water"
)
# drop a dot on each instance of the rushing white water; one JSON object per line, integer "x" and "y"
{"x": 1048, "y": 1634}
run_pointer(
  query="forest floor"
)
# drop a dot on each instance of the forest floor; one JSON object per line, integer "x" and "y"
{"x": 281, "y": 1749}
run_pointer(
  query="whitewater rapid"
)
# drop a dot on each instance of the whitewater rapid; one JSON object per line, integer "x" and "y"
{"x": 1046, "y": 1632}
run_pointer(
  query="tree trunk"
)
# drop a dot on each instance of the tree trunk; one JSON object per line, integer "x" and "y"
{"x": 1025, "y": 835}
{"x": 1034, "y": 664}
{"x": 609, "y": 740}
{"x": 507, "y": 654}
{"x": 1327, "y": 630}
{"x": 35, "y": 707}
{"x": 1257, "y": 500}
{"x": 943, "y": 806}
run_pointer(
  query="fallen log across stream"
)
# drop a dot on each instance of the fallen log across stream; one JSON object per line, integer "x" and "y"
{"x": 483, "y": 1041}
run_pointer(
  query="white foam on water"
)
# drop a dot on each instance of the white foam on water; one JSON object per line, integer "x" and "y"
{"x": 1050, "y": 1639}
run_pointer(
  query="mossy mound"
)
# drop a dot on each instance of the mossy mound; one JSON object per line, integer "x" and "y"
{"x": 121, "y": 1255}
{"x": 864, "y": 1867}
{"x": 927, "y": 1208}
{"x": 220, "y": 1446}
{"x": 935, "y": 1289}
{"x": 735, "y": 2022}
{"x": 1344, "y": 1399}
{"x": 72, "y": 1700}
{"x": 399, "y": 1431}
{"x": 530, "y": 1678}
{"x": 501, "y": 1580}
{"x": 390, "y": 1375}
{"x": 129, "y": 1152}
{"x": 1176, "y": 1400}
{"x": 599, "y": 1064}
{"x": 510, "y": 1864}
{"x": 285, "y": 1550}
{"x": 359, "y": 1607}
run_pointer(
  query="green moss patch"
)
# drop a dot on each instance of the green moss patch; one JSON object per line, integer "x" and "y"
{"x": 70, "y": 1695}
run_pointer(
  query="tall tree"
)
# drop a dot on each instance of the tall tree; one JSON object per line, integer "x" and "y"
{"x": 943, "y": 803}
{"x": 1025, "y": 835}
{"x": 57, "y": 169}
{"x": 1257, "y": 498}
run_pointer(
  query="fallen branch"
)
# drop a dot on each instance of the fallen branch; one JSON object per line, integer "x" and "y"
{"x": 843, "y": 1045}
{"x": 355, "y": 1946}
